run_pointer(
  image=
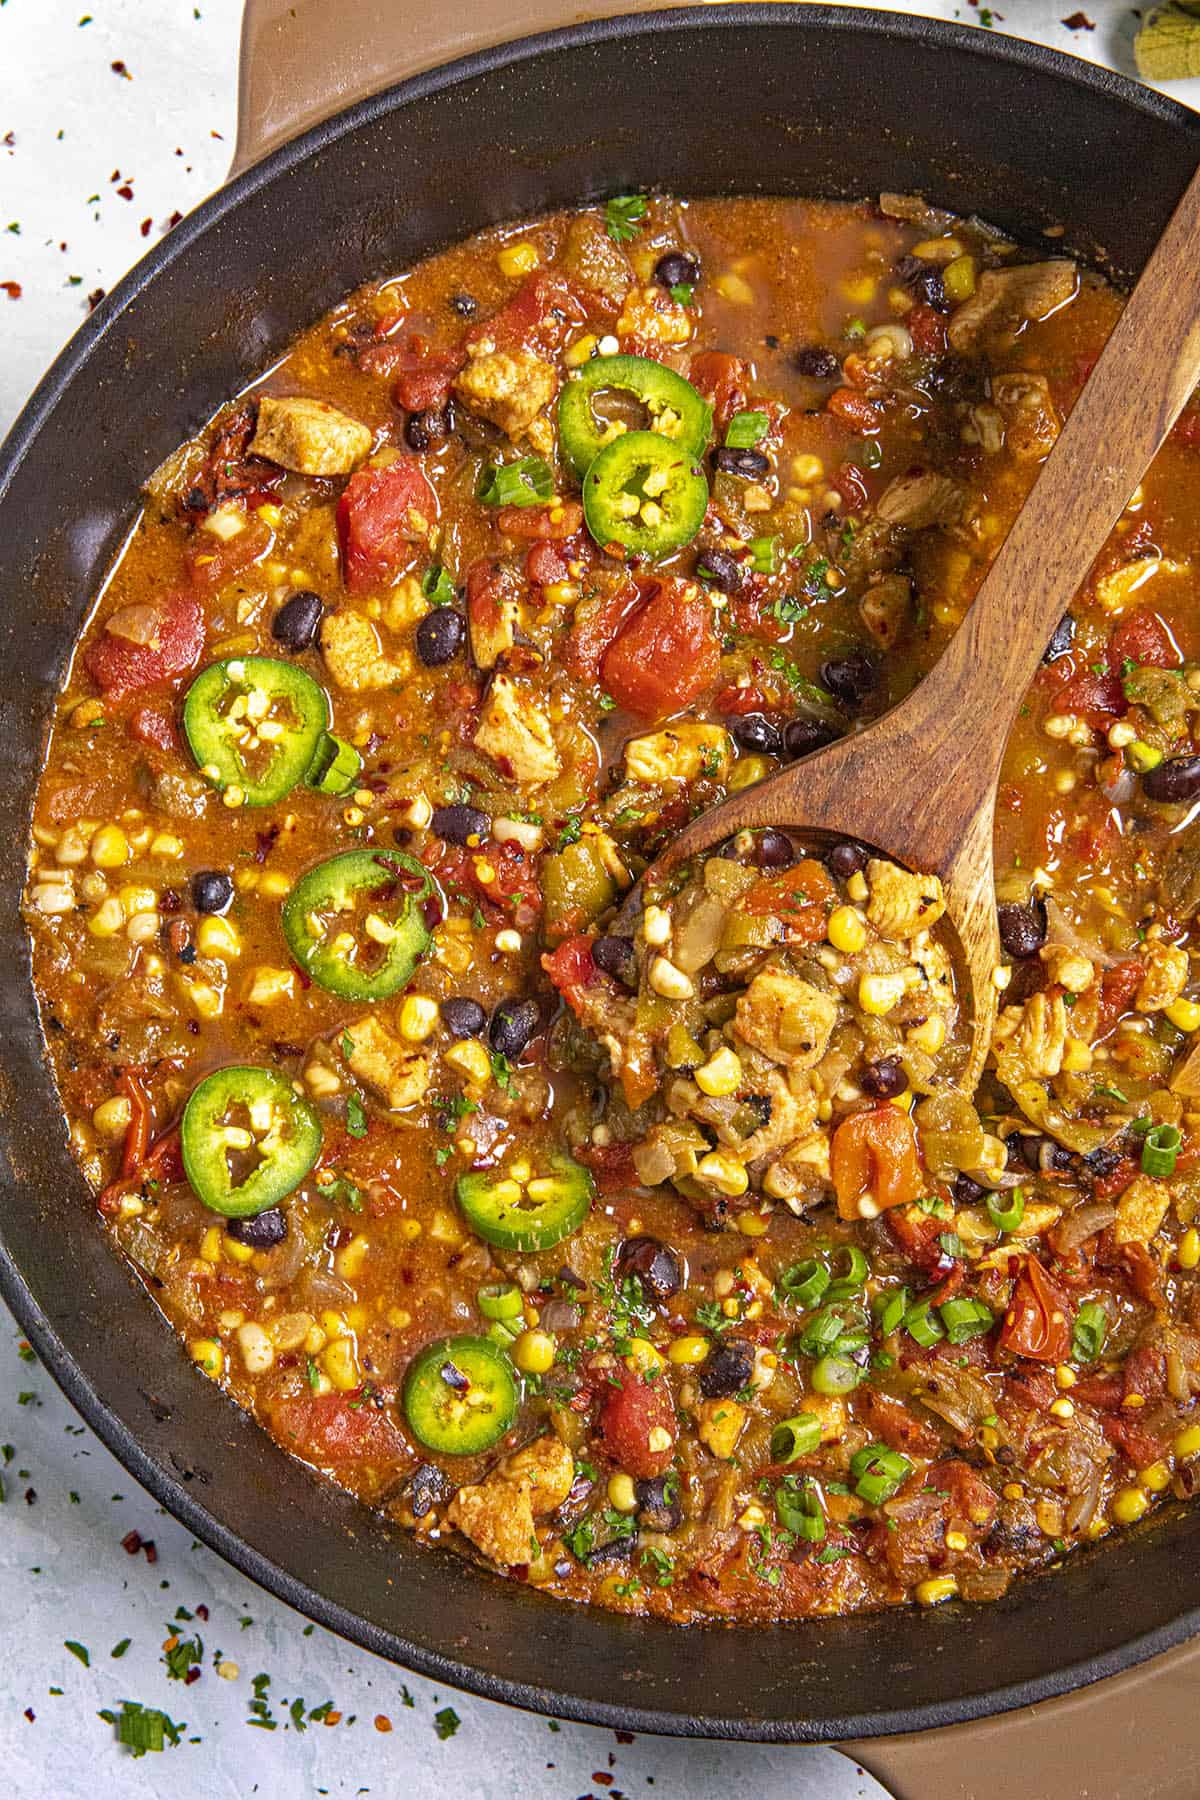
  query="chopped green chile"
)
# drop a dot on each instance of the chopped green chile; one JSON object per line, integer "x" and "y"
{"x": 254, "y": 726}
{"x": 367, "y": 958}
{"x": 253, "y": 1122}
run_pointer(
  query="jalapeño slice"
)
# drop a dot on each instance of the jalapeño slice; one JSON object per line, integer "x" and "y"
{"x": 247, "y": 1139}
{"x": 460, "y": 1395}
{"x": 677, "y": 412}
{"x": 645, "y": 493}
{"x": 355, "y": 924}
{"x": 527, "y": 1216}
{"x": 254, "y": 724}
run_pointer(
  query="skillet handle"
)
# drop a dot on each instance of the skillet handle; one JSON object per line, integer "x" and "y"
{"x": 302, "y": 60}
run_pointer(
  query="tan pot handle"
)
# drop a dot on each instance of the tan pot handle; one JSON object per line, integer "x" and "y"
{"x": 302, "y": 60}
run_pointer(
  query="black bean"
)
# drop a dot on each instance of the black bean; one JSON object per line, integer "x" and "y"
{"x": 803, "y": 734}
{"x": 1054, "y": 1159}
{"x": 440, "y": 636}
{"x": 298, "y": 621}
{"x": 463, "y": 1017}
{"x": 1174, "y": 782}
{"x": 428, "y": 1488}
{"x": 614, "y": 955}
{"x": 883, "y": 1079}
{"x": 460, "y": 824}
{"x": 924, "y": 281}
{"x": 846, "y": 859}
{"x": 953, "y": 377}
{"x": 772, "y": 850}
{"x": 1022, "y": 927}
{"x": 658, "y": 1504}
{"x": 756, "y": 733}
{"x": 750, "y": 463}
{"x": 1022, "y": 1150}
{"x": 1064, "y": 636}
{"x": 655, "y": 1264}
{"x": 722, "y": 567}
{"x": 464, "y": 305}
{"x": 676, "y": 269}
{"x": 424, "y": 428}
{"x": 815, "y": 361}
{"x": 852, "y": 678}
{"x": 727, "y": 1370}
{"x": 1102, "y": 1162}
{"x": 212, "y": 890}
{"x": 262, "y": 1231}
{"x": 968, "y": 1191}
{"x": 618, "y": 1549}
{"x": 513, "y": 1024}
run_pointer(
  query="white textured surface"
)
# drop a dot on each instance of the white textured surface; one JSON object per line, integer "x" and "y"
{"x": 81, "y": 132}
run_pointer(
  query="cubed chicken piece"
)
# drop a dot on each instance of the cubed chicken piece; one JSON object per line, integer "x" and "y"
{"x": 1035, "y": 1034}
{"x": 886, "y": 608}
{"x": 650, "y": 315}
{"x": 719, "y": 1425}
{"x": 1165, "y": 978}
{"x": 310, "y": 436}
{"x": 789, "y": 1020}
{"x": 395, "y": 1070}
{"x": 493, "y": 610}
{"x": 498, "y": 1513}
{"x": 900, "y": 903}
{"x": 1031, "y": 421}
{"x": 1141, "y": 1210}
{"x": 507, "y": 387}
{"x": 1005, "y": 300}
{"x": 1068, "y": 967}
{"x": 680, "y": 753}
{"x": 921, "y": 499}
{"x": 516, "y": 735}
{"x": 354, "y": 655}
{"x": 1123, "y": 586}
{"x": 793, "y": 1115}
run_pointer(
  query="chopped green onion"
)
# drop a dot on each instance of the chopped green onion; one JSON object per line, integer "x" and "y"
{"x": 966, "y": 1319}
{"x": 798, "y": 1509}
{"x": 805, "y": 1282}
{"x": 501, "y": 1300}
{"x": 764, "y": 555}
{"x": 822, "y": 1332}
{"x": 745, "y": 429}
{"x": 854, "y": 1276}
{"x": 681, "y": 293}
{"x": 877, "y": 1472}
{"x": 1160, "y": 1150}
{"x": 1006, "y": 1216}
{"x": 527, "y": 482}
{"x": 1141, "y": 1127}
{"x": 855, "y": 328}
{"x": 437, "y": 586}
{"x": 950, "y": 1243}
{"x": 835, "y": 1375}
{"x": 798, "y": 1436}
{"x": 505, "y": 1332}
{"x": 920, "y": 1323}
{"x": 622, "y": 215}
{"x": 890, "y": 1310}
{"x": 1091, "y": 1329}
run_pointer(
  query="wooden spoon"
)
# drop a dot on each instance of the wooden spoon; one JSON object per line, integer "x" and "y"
{"x": 919, "y": 785}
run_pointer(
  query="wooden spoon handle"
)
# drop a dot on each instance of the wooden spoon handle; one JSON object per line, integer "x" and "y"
{"x": 1149, "y": 366}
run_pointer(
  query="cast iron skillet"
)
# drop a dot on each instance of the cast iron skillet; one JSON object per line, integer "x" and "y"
{"x": 811, "y": 100}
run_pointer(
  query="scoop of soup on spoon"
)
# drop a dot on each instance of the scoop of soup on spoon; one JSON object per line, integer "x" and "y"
{"x": 919, "y": 785}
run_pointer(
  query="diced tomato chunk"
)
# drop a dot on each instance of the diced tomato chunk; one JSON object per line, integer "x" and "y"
{"x": 917, "y": 1234}
{"x": 874, "y": 1158}
{"x": 121, "y": 667}
{"x": 560, "y": 521}
{"x": 891, "y": 1421}
{"x": 504, "y": 875}
{"x": 599, "y": 616}
{"x": 1038, "y": 1321}
{"x": 1107, "y": 1187}
{"x": 798, "y": 896}
{"x": 611, "y": 1164}
{"x": 546, "y": 562}
{"x": 665, "y": 655}
{"x": 423, "y": 373}
{"x": 336, "y": 1428}
{"x": 722, "y": 379}
{"x": 732, "y": 702}
{"x": 1142, "y": 638}
{"x": 637, "y": 1424}
{"x": 854, "y": 410}
{"x": 543, "y": 315}
{"x": 928, "y": 330}
{"x": 1118, "y": 985}
{"x": 382, "y": 512}
{"x": 1098, "y": 699}
{"x": 212, "y": 561}
{"x": 571, "y": 970}
{"x": 151, "y": 726}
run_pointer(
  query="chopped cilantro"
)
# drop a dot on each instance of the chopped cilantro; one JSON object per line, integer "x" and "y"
{"x": 622, "y": 215}
{"x": 446, "y": 1722}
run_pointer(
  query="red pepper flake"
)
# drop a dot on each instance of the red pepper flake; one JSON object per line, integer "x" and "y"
{"x": 118, "y": 68}
{"x": 602, "y": 1778}
{"x": 94, "y": 298}
{"x": 193, "y": 1674}
{"x": 10, "y": 139}
{"x": 202, "y": 1612}
{"x": 151, "y": 1551}
{"x": 12, "y": 289}
{"x": 382, "y": 1722}
{"x": 131, "y": 1543}
{"x": 125, "y": 191}
{"x": 145, "y": 226}
{"x": 174, "y": 220}
{"x": 30, "y": 1714}
{"x": 1079, "y": 21}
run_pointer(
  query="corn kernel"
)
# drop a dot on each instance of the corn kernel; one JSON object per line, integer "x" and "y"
{"x": 269, "y": 986}
{"x": 935, "y": 1590}
{"x": 258, "y": 1352}
{"x": 857, "y": 887}
{"x": 236, "y": 1251}
{"x": 207, "y": 1002}
{"x": 165, "y": 843}
{"x": 274, "y": 884}
{"x": 534, "y": 1352}
{"x": 659, "y": 1439}
{"x": 878, "y": 994}
{"x": 929, "y": 1035}
{"x": 723, "y": 1172}
{"x": 753, "y": 1224}
{"x": 210, "y": 1245}
{"x": 1077, "y": 1056}
{"x": 752, "y": 1517}
{"x": 656, "y": 926}
{"x": 108, "y": 918}
{"x": 746, "y": 772}
{"x": 217, "y": 937}
{"x": 518, "y": 259}
{"x": 847, "y": 930}
{"x": 1156, "y": 1477}
{"x": 938, "y": 250}
{"x": 807, "y": 469}
{"x": 1063, "y": 1408}
{"x": 860, "y": 290}
{"x": 669, "y": 982}
{"x": 622, "y": 1494}
{"x": 470, "y": 1059}
{"x": 642, "y": 1357}
{"x": 418, "y": 1018}
{"x": 111, "y": 1118}
{"x": 341, "y": 1364}
{"x": 1129, "y": 1504}
{"x": 1184, "y": 1014}
{"x": 1188, "y": 1251}
{"x": 110, "y": 848}
{"x": 348, "y": 1261}
{"x": 734, "y": 288}
{"x": 957, "y": 1540}
{"x": 691, "y": 1348}
{"x": 581, "y": 350}
{"x": 1065, "y": 1376}
{"x": 958, "y": 279}
{"x": 720, "y": 1075}
{"x": 1187, "y": 1442}
{"x": 208, "y": 1355}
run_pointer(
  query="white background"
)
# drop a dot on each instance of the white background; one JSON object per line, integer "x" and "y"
{"x": 80, "y": 133}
